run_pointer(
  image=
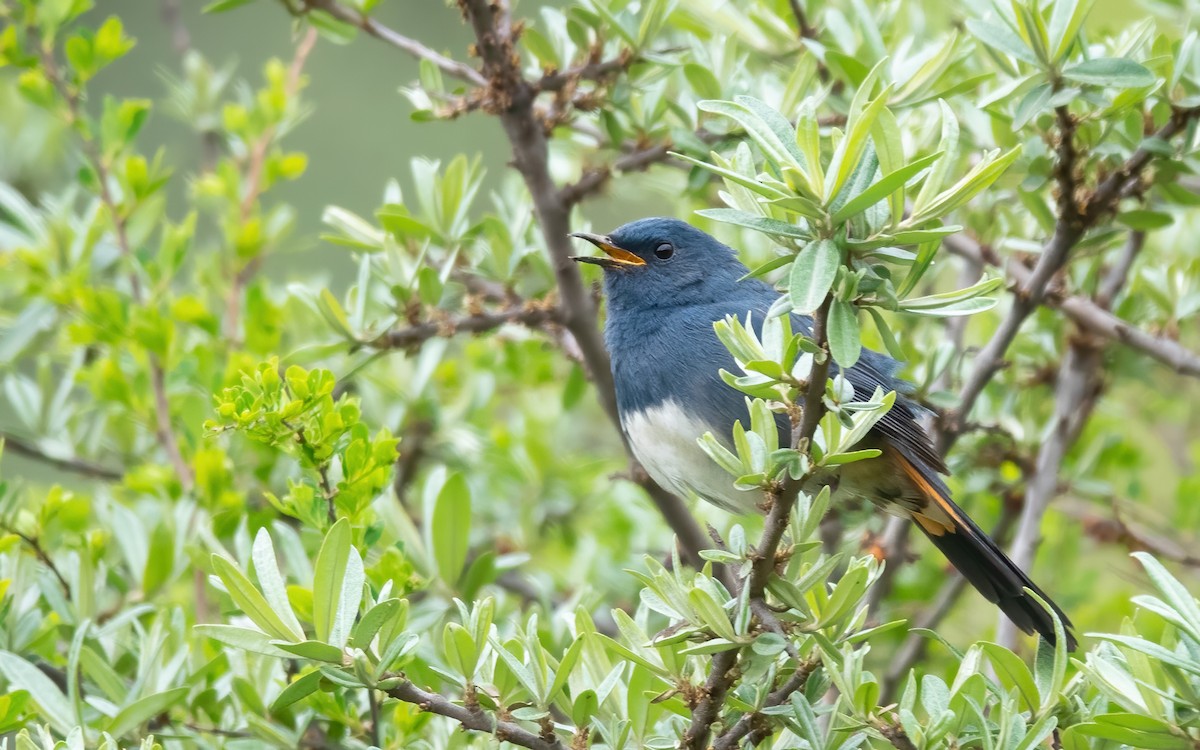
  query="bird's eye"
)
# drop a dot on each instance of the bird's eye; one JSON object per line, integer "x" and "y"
{"x": 664, "y": 251}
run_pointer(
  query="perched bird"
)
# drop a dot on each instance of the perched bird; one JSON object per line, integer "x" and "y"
{"x": 666, "y": 283}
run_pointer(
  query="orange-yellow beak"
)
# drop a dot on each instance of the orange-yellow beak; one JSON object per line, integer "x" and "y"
{"x": 617, "y": 257}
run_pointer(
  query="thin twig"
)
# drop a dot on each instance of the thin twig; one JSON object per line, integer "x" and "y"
{"x": 172, "y": 16}
{"x": 594, "y": 179}
{"x": 807, "y": 31}
{"x": 731, "y": 738}
{"x": 1088, "y": 315}
{"x": 162, "y": 414}
{"x": 1114, "y": 281}
{"x": 474, "y": 719}
{"x": 596, "y": 70}
{"x": 895, "y": 734}
{"x": 513, "y": 97}
{"x": 35, "y": 545}
{"x": 253, "y": 190}
{"x": 75, "y": 465}
{"x": 410, "y": 46}
{"x": 781, "y": 500}
{"x": 1114, "y": 529}
{"x": 1068, "y": 230}
{"x": 373, "y": 704}
{"x": 533, "y": 314}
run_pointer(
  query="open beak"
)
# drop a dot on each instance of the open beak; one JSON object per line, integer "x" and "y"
{"x": 617, "y": 258}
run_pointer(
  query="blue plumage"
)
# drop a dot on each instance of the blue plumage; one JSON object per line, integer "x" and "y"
{"x": 667, "y": 283}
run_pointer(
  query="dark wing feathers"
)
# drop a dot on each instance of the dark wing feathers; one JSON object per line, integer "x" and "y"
{"x": 899, "y": 426}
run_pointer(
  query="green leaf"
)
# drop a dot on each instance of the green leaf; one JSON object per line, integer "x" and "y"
{"x": 702, "y": 80}
{"x": 271, "y": 581}
{"x": 812, "y": 275}
{"x": 735, "y": 177}
{"x": 372, "y": 622}
{"x": 758, "y": 223}
{"x": 220, "y": 6}
{"x": 1117, "y": 72}
{"x": 249, "y": 600}
{"x": 301, "y": 688}
{"x": 243, "y": 638}
{"x": 329, "y": 574}
{"x": 711, "y": 614}
{"x": 1066, "y": 18}
{"x": 450, "y": 527}
{"x": 312, "y": 650}
{"x": 565, "y": 665}
{"x": 769, "y": 129}
{"x": 859, "y": 123}
{"x": 584, "y": 708}
{"x": 53, "y": 706}
{"x": 1145, "y": 220}
{"x": 1000, "y": 38}
{"x": 1012, "y": 672}
{"x": 881, "y": 189}
{"x": 1035, "y": 102}
{"x": 1176, "y": 594}
{"x": 143, "y": 710}
{"x": 845, "y": 342}
{"x": 977, "y": 180}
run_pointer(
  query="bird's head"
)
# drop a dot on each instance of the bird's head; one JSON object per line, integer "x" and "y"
{"x": 662, "y": 262}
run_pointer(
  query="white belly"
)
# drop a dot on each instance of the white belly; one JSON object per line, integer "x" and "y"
{"x": 663, "y": 439}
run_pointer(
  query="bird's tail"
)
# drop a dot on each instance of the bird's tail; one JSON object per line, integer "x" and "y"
{"x": 981, "y": 562}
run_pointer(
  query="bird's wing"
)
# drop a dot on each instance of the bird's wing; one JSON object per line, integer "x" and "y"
{"x": 899, "y": 426}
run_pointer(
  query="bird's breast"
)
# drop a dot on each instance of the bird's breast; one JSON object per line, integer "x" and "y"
{"x": 663, "y": 438}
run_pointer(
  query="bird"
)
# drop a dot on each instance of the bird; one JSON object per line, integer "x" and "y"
{"x": 665, "y": 284}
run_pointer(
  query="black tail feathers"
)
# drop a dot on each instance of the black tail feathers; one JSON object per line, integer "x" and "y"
{"x": 988, "y": 569}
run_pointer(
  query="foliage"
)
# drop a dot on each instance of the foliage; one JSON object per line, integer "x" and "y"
{"x": 283, "y": 515}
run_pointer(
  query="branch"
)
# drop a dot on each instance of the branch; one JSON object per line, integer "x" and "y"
{"x": 172, "y": 18}
{"x": 895, "y": 734}
{"x": 781, "y": 500}
{"x": 514, "y": 99}
{"x": 410, "y": 46}
{"x": 731, "y": 738}
{"x": 1078, "y": 386}
{"x": 1075, "y": 218}
{"x": 594, "y": 179}
{"x": 1089, "y": 315}
{"x": 1114, "y": 281}
{"x": 534, "y": 314}
{"x": 1115, "y": 529}
{"x": 162, "y": 412}
{"x": 253, "y": 189}
{"x": 808, "y": 31}
{"x": 75, "y": 465}
{"x": 596, "y": 70}
{"x": 35, "y": 545}
{"x": 473, "y": 718}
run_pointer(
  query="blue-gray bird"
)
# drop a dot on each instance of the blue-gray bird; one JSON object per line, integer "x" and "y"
{"x": 666, "y": 283}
